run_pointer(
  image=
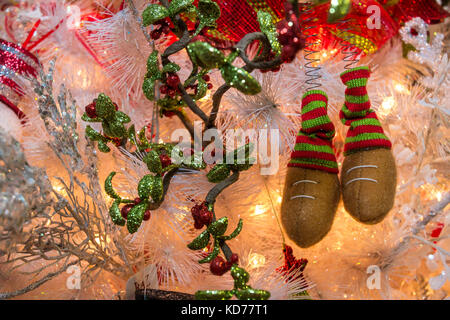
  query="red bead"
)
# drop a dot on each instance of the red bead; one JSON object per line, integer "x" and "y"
{"x": 137, "y": 200}
{"x": 210, "y": 86}
{"x": 206, "y": 77}
{"x": 164, "y": 89}
{"x": 166, "y": 29}
{"x": 165, "y": 160}
{"x": 90, "y": 110}
{"x": 171, "y": 93}
{"x": 147, "y": 215}
{"x": 125, "y": 210}
{"x": 116, "y": 106}
{"x": 173, "y": 80}
{"x": 218, "y": 266}
{"x": 169, "y": 114}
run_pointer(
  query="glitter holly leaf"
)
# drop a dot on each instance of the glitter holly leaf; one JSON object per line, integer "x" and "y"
{"x": 240, "y": 79}
{"x": 154, "y": 13}
{"x": 235, "y": 233}
{"x": 218, "y": 228}
{"x": 171, "y": 68}
{"x": 205, "y": 56}
{"x": 153, "y": 162}
{"x": 114, "y": 213}
{"x": 200, "y": 242}
{"x": 109, "y": 188}
{"x": 214, "y": 253}
{"x": 153, "y": 74}
{"x": 214, "y": 294}
{"x": 208, "y": 13}
{"x": 96, "y": 136}
{"x": 218, "y": 173}
{"x": 268, "y": 28}
{"x": 178, "y": 6}
{"x": 136, "y": 216}
{"x": 151, "y": 186}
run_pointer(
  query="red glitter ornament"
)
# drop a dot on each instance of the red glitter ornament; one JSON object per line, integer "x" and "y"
{"x": 147, "y": 215}
{"x": 172, "y": 80}
{"x": 90, "y": 110}
{"x": 165, "y": 160}
{"x": 201, "y": 214}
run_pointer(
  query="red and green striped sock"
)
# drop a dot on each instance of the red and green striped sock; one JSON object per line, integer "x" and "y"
{"x": 365, "y": 130}
{"x": 313, "y": 148}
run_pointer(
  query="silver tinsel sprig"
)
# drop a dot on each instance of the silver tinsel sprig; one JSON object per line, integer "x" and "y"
{"x": 60, "y": 120}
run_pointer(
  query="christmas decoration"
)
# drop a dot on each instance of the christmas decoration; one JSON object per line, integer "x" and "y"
{"x": 149, "y": 149}
{"x": 369, "y": 175}
{"x": 312, "y": 191}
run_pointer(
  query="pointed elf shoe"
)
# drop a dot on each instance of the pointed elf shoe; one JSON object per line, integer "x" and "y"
{"x": 369, "y": 174}
{"x": 312, "y": 189}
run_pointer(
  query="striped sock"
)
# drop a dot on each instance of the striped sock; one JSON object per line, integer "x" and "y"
{"x": 365, "y": 130}
{"x": 313, "y": 147}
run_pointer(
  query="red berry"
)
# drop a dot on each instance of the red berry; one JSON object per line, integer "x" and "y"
{"x": 206, "y": 78}
{"x": 137, "y": 200}
{"x": 166, "y": 29}
{"x": 165, "y": 160}
{"x": 288, "y": 53}
{"x": 198, "y": 225}
{"x": 234, "y": 258}
{"x": 147, "y": 215}
{"x": 164, "y": 89}
{"x": 218, "y": 266}
{"x": 173, "y": 80}
{"x": 205, "y": 217}
{"x": 169, "y": 114}
{"x": 90, "y": 110}
{"x": 116, "y": 106}
{"x": 126, "y": 209}
{"x": 171, "y": 93}
{"x": 155, "y": 34}
{"x": 210, "y": 86}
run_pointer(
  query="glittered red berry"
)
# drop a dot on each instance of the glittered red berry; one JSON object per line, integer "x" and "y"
{"x": 173, "y": 80}
{"x": 164, "y": 89}
{"x": 155, "y": 34}
{"x": 116, "y": 106}
{"x": 234, "y": 258}
{"x": 205, "y": 217}
{"x": 90, "y": 110}
{"x": 218, "y": 266}
{"x": 210, "y": 86}
{"x": 137, "y": 200}
{"x": 288, "y": 53}
{"x": 165, "y": 160}
{"x": 147, "y": 215}
{"x": 166, "y": 29}
{"x": 206, "y": 77}
{"x": 171, "y": 93}
{"x": 126, "y": 209}
{"x": 198, "y": 225}
{"x": 168, "y": 114}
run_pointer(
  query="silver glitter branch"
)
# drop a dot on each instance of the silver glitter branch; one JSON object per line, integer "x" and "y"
{"x": 63, "y": 224}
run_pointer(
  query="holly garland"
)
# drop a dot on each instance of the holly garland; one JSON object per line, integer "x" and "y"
{"x": 174, "y": 96}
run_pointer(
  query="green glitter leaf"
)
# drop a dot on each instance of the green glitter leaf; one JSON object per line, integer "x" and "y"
{"x": 171, "y": 68}
{"x": 205, "y": 55}
{"x": 177, "y": 6}
{"x": 268, "y": 28}
{"x": 135, "y": 216}
{"x": 218, "y": 228}
{"x": 208, "y": 13}
{"x": 148, "y": 87}
{"x": 235, "y": 233}
{"x": 252, "y": 294}
{"x": 153, "y": 162}
{"x": 240, "y": 79}
{"x": 218, "y": 173}
{"x": 144, "y": 144}
{"x": 109, "y": 188}
{"x": 145, "y": 186}
{"x": 86, "y": 118}
{"x": 200, "y": 242}
{"x": 103, "y": 147}
{"x": 154, "y": 13}
{"x": 213, "y": 254}
{"x": 202, "y": 89}
{"x": 114, "y": 213}
{"x": 122, "y": 117}
{"x": 104, "y": 107}
{"x": 152, "y": 64}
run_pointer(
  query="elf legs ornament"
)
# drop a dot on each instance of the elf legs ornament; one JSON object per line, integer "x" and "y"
{"x": 312, "y": 190}
{"x": 368, "y": 175}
